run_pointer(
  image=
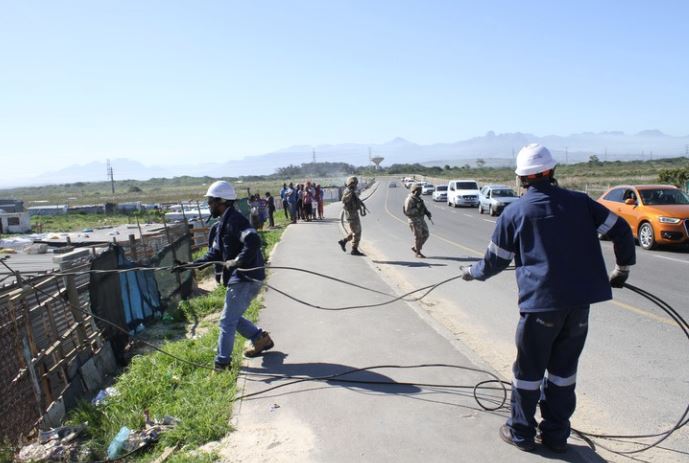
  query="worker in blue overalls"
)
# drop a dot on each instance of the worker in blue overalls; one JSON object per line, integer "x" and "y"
{"x": 238, "y": 245}
{"x": 552, "y": 235}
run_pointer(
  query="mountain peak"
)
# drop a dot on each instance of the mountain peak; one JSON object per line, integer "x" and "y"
{"x": 398, "y": 141}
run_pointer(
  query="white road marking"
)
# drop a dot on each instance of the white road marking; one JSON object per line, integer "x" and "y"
{"x": 469, "y": 215}
{"x": 669, "y": 258}
{"x": 489, "y": 220}
{"x": 648, "y": 253}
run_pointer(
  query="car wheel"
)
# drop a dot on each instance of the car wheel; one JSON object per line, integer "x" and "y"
{"x": 480, "y": 209}
{"x": 646, "y": 236}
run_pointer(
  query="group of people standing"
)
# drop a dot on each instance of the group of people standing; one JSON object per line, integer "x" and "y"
{"x": 261, "y": 209}
{"x": 303, "y": 202}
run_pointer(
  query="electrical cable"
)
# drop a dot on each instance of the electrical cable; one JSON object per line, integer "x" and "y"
{"x": 587, "y": 436}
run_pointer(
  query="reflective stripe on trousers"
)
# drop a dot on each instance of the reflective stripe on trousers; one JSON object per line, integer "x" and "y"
{"x": 547, "y": 341}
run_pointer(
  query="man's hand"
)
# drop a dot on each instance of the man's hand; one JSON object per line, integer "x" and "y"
{"x": 619, "y": 276}
{"x": 231, "y": 264}
{"x": 466, "y": 273}
{"x": 428, "y": 214}
{"x": 178, "y": 266}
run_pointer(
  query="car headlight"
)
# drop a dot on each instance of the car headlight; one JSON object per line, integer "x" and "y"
{"x": 672, "y": 220}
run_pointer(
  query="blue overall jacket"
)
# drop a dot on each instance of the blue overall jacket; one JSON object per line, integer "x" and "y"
{"x": 236, "y": 239}
{"x": 552, "y": 235}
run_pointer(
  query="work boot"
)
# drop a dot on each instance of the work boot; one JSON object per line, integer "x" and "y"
{"x": 262, "y": 343}
{"x": 506, "y": 435}
{"x": 343, "y": 245}
{"x": 355, "y": 251}
{"x": 220, "y": 367}
{"x": 553, "y": 446}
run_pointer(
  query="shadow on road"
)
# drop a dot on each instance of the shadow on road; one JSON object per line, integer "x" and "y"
{"x": 407, "y": 263}
{"x": 274, "y": 363}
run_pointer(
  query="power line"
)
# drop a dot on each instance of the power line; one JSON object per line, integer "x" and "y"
{"x": 111, "y": 176}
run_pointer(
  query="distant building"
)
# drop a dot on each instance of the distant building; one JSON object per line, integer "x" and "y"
{"x": 129, "y": 207}
{"x": 88, "y": 209}
{"x": 14, "y": 222}
{"x": 52, "y": 209}
{"x": 12, "y": 205}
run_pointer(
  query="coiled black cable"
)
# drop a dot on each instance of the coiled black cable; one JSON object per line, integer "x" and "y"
{"x": 338, "y": 377}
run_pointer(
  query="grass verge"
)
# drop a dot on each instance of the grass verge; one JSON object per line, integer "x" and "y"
{"x": 200, "y": 398}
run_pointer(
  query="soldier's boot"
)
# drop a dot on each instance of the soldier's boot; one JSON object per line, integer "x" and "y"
{"x": 343, "y": 245}
{"x": 264, "y": 342}
{"x": 356, "y": 252}
{"x": 419, "y": 255}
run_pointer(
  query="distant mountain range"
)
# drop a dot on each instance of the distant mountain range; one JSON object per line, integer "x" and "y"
{"x": 495, "y": 149}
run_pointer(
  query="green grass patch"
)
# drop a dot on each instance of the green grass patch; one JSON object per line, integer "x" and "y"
{"x": 200, "y": 398}
{"x": 73, "y": 222}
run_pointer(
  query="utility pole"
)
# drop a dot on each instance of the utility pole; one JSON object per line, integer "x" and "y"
{"x": 314, "y": 156}
{"x": 112, "y": 178}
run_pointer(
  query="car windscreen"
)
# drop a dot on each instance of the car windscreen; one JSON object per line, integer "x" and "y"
{"x": 467, "y": 186}
{"x": 506, "y": 193}
{"x": 441, "y": 188}
{"x": 662, "y": 196}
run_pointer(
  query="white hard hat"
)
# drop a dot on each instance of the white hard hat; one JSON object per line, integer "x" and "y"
{"x": 221, "y": 189}
{"x": 534, "y": 159}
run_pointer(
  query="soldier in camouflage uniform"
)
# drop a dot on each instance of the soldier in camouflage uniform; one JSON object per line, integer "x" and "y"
{"x": 415, "y": 210}
{"x": 352, "y": 206}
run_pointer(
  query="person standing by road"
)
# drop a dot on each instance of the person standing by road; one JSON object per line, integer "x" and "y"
{"x": 283, "y": 198}
{"x": 319, "y": 201}
{"x": 353, "y": 206}
{"x": 416, "y": 211}
{"x": 552, "y": 234}
{"x": 271, "y": 209}
{"x": 239, "y": 246}
{"x": 292, "y": 196}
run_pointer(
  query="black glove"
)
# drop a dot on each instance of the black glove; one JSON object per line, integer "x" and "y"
{"x": 466, "y": 273}
{"x": 428, "y": 214}
{"x": 619, "y": 276}
{"x": 178, "y": 266}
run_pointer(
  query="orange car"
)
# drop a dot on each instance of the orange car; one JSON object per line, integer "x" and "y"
{"x": 657, "y": 214}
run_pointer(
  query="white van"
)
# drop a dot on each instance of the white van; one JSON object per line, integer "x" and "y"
{"x": 462, "y": 193}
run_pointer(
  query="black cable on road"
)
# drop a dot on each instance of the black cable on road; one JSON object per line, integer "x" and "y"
{"x": 587, "y": 436}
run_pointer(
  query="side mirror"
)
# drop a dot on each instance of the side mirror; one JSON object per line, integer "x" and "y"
{"x": 630, "y": 202}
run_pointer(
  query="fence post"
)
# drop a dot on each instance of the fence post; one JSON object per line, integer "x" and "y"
{"x": 132, "y": 248}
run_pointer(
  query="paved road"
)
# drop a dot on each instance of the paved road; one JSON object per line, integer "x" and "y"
{"x": 335, "y": 422}
{"x": 634, "y": 373}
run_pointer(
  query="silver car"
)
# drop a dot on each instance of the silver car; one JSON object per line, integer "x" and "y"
{"x": 494, "y": 198}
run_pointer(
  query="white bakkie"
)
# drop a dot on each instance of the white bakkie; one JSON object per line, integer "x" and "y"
{"x": 462, "y": 193}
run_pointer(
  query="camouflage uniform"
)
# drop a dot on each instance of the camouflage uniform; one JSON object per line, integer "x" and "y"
{"x": 352, "y": 206}
{"x": 415, "y": 210}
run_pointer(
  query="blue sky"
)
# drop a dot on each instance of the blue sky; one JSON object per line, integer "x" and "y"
{"x": 176, "y": 82}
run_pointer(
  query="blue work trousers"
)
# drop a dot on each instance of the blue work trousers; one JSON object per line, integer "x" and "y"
{"x": 237, "y": 300}
{"x": 546, "y": 341}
